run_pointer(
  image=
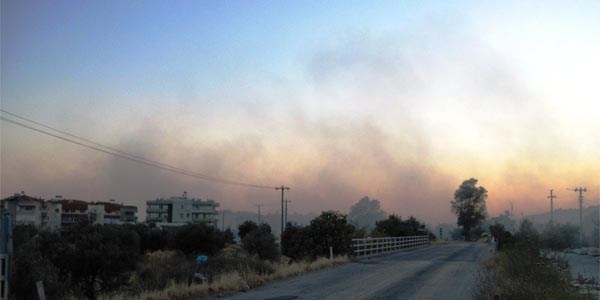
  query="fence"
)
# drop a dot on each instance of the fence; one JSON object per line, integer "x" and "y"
{"x": 373, "y": 246}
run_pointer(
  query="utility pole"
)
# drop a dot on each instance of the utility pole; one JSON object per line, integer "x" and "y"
{"x": 580, "y": 190}
{"x": 223, "y": 222}
{"x": 552, "y": 197}
{"x": 286, "y": 212}
{"x": 282, "y": 188}
{"x": 259, "y": 206}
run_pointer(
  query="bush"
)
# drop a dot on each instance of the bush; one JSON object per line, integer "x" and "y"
{"x": 234, "y": 259}
{"x": 157, "y": 269}
{"x": 559, "y": 237}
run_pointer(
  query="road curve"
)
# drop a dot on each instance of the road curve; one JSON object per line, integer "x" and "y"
{"x": 436, "y": 272}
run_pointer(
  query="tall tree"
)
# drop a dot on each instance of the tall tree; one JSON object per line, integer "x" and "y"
{"x": 366, "y": 212}
{"x": 469, "y": 206}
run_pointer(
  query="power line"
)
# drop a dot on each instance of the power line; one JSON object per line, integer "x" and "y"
{"x": 122, "y": 154}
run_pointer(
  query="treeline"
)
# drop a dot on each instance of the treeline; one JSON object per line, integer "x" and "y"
{"x": 299, "y": 242}
{"x": 523, "y": 268}
{"x": 556, "y": 237}
{"x": 87, "y": 260}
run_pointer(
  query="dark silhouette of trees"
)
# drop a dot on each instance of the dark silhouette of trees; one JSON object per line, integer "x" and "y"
{"x": 296, "y": 242}
{"x": 258, "y": 240}
{"x": 365, "y": 212}
{"x": 560, "y": 236}
{"x": 246, "y": 227}
{"x": 330, "y": 229}
{"x": 196, "y": 239}
{"x": 100, "y": 257}
{"x": 394, "y": 226}
{"x": 469, "y": 206}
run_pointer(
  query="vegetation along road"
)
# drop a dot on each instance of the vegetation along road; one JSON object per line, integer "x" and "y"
{"x": 446, "y": 271}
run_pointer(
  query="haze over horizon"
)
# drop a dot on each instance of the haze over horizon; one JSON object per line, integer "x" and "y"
{"x": 400, "y": 102}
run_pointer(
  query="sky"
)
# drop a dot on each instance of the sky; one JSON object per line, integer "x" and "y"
{"x": 396, "y": 100}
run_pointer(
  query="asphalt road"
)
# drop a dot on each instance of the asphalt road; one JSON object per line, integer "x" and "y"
{"x": 436, "y": 272}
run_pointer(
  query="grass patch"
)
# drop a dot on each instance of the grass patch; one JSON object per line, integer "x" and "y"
{"x": 243, "y": 277}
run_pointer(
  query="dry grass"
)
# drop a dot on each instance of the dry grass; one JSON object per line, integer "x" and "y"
{"x": 235, "y": 281}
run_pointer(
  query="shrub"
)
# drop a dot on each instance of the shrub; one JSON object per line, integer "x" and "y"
{"x": 157, "y": 269}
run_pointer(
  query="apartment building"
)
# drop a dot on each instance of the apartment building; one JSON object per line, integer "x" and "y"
{"x": 27, "y": 210}
{"x": 75, "y": 211}
{"x": 177, "y": 211}
{"x": 58, "y": 212}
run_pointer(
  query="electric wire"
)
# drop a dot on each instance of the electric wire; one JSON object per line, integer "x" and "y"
{"x": 122, "y": 154}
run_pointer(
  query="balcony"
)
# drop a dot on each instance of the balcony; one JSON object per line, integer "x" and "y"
{"x": 157, "y": 209}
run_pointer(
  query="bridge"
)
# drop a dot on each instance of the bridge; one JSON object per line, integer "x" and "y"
{"x": 423, "y": 271}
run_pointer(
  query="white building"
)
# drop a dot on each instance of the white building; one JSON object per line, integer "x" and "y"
{"x": 27, "y": 210}
{"x": 176, "y": 211}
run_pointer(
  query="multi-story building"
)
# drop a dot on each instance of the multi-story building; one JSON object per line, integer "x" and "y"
{"x": 75, "y": 211}
{"x": 176, "y": 211}
{"x": 27, "y": 210}
{"x": 53, "y": 214}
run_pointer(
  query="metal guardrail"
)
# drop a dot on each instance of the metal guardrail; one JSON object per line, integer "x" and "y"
{"x": 373, "y": 246}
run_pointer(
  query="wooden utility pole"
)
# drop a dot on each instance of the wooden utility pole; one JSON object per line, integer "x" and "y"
{"x": 552, "y": 197}
{"x": 282, "y": 188}
{"x": 580, "y": 190}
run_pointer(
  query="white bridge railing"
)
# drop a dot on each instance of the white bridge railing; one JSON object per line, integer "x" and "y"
{"x": 374, "y": 246}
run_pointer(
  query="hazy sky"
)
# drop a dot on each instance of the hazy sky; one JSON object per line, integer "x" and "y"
{"x": 400, "y": 101}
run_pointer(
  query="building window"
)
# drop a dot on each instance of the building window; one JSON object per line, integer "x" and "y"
{"x": 188, "y": 215}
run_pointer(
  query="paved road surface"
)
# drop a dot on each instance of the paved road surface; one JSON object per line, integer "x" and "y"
{"x": 435, "y": 272}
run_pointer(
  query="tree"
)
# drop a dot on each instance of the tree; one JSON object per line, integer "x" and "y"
{"x": 365, "y": 212}
{"x": 33, "y": 261}
{"x": 330, "y": 229}
{"x": 246, "y": 227}
{"x": 295, "y": 241}
{"x": 195, "y": 239}
{"x": 469, "y": 206}
{"x": 393, "y": 226}
{"x": 100, "y": 256}
{"x": 502, "y": 236}
{"x": 261, "y": 243}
